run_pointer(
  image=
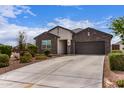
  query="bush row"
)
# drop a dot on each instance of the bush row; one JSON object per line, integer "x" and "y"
{"x": 120, "y": 83}
{"x": 40, "y": 57}
{"x": 4, "y": 60}
{"x": 116, "y": 51}
{"x": 27, "y": 57}
{"x": 116, "y": 61}
{"x": 5, "y": 49}
{"x": 5, "y": 53}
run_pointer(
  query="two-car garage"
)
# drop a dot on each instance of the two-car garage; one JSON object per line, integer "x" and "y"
{"x": 91, "y": 41}
{"x": 92, "y": 47}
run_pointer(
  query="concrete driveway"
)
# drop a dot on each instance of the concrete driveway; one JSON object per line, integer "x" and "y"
{"x": 69, "y": 71}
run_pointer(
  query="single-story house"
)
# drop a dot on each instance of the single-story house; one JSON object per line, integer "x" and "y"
{"x": 118, "y": 46}
{"x": 61, "y": 40}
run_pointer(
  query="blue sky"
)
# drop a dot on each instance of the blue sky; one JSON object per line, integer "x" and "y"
{"x": 37, "y": 19}
{"x": 45, "y": 14}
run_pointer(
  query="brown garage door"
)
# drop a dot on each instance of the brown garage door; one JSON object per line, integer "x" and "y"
{"x": 96, "y": 47}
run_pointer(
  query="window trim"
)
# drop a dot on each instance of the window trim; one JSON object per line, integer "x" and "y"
{"x": 46, "y": 44}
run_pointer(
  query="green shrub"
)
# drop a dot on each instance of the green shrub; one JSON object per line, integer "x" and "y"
{"x": 32, "y": 49}
{"x": 116, "y": 51}
{"x": 116, "y": 61}
{"x": 5, "y": 49}
{"x": 4, "y": 60}
{"x": 27, "y": 57}
{"x": 120, "y": 83}
{"x": 40, "y": 57}
{"x": 47, "y": 52}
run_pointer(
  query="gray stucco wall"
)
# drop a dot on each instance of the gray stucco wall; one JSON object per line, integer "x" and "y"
{"x": 64, "y": 34}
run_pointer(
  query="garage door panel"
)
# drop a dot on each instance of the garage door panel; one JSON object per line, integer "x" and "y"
{"x": 97, "y": 47}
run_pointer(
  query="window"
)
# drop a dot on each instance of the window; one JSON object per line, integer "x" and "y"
{"x": 46, "y": 44}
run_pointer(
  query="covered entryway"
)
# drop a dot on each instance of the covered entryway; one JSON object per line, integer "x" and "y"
{"x": 91, "y": 47}
{"x": 62, "y": 46}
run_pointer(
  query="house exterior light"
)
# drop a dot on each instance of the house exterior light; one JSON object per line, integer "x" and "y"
{"x": 68, "y": 42}
{"x": 88, "y": 33}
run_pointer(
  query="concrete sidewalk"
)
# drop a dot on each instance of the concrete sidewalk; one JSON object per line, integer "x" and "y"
{"x": 78, "y": 71}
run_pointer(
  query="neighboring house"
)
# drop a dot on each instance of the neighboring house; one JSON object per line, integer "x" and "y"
{"x": 61, "y": 40}
{"x": 118, "y": 46}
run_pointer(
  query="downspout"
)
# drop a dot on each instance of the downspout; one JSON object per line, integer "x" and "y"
{"x": 73, "y": 43}
{"x": 58, "y": 41}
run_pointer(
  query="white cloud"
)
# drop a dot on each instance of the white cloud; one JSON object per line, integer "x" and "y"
{"x": 9, "y": 32}
{"x": 116, "y": 39}
{"x": 12, "y": 43}
{"x": 109, "y": 17}
{"x": 103, "y": 24}
{"x": 27, "y": 9}
{"x": 72, "y": 24}
{"x": 68, "y": 23}
{"x": 13, "y": 11}
{"x": 3, "y": 20}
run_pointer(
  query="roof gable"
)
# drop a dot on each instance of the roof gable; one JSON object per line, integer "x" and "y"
{"x": 90, "y": 29}
{"x": 62, "y": 28}
{"x": 77, "y": 30}
{"x": 46, "y": 33}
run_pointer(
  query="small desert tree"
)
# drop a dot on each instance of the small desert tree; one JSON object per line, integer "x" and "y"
{"x": 117, "y": 25}
{"x": 21, "y": 42}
